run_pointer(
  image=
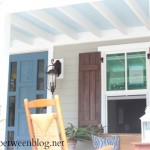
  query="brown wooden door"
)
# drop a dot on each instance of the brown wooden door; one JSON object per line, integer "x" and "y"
{"x": 89, "y": 89}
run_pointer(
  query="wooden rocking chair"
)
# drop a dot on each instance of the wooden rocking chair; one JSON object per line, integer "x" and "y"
{"x": 46, "y": 130}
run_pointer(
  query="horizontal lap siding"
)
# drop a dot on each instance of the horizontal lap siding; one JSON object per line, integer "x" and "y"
{"x": 67, "y": 88}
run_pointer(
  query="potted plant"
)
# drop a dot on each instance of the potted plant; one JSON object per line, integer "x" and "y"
{"x": 75, "y": 134}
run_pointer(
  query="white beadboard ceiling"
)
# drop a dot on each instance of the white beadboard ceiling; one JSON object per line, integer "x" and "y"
{"x": 98, "y": 20}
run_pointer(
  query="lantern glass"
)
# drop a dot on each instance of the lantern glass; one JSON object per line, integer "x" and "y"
{"x": 146, "y": 131}
{"x": 145, "y": 125}
{"x": 51, "y": 82}
{"x": 52, "y": 72}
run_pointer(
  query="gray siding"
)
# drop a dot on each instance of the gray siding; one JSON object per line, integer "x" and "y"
{"x": 67, "y": 88}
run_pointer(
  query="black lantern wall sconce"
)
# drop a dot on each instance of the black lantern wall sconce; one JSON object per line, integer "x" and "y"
{"x": 53, "y": 71}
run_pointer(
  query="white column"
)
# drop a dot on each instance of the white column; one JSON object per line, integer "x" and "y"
{"x": 50, "y": 56}
{"x": 4, "y": 66}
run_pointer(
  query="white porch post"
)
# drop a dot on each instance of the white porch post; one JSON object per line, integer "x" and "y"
{"x": 4, "y": 66}
{"x": 50, "y": 56}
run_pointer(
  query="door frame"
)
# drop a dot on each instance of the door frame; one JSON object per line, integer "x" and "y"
{"x": 112, "y": 49}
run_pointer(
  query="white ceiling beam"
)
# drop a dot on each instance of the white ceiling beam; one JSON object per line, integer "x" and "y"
{"x": 18, "y": 21}
{"x": 54, "y": 23}
{"x": 138, "y": 12}
{"x": 139, "y": 34}
{"x": 15, "y": 34}
{"x": 81, "y": 20}
{"x": 110, "y": 16}
{"x": 13, "y": 6}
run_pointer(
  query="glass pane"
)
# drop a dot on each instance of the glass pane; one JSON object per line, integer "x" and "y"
{"x": 13, "y": 71}
{"x": 40, "y": 75}
{"x": 11, "y": 117}
{"x": 115, "y": 72}
{"x": 10, "y": 138}
{"x": 136, "y": 65}
{"x": 40, "y": 110}
{"x": 123, "y": 116}
{"x": 40, "y": 96}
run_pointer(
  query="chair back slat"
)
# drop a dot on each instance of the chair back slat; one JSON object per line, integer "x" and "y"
{"x": 40, "y": 103}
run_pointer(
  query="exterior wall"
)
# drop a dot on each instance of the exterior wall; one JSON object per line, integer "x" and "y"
{"x": 67, "y": 88}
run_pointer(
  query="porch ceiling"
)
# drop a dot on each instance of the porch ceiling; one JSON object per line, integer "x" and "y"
{"x": 99, "y": 20}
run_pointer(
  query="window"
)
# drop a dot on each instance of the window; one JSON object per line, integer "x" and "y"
{"x": 124, "y": 114}
{"x": 126, "y": 71}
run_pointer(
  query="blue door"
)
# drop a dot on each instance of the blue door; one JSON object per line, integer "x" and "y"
{"x": 26, "y": 80}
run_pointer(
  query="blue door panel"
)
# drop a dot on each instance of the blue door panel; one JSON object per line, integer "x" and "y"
{"x": 27, "y": 71}
{"x": 22, "y": 127}
{"x": 25, "y": 92}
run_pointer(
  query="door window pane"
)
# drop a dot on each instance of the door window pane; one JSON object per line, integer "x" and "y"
{"x": 115, "y": 72}
{"x": 136, "y": 70}
{"x": 11, "y": 139}
{"x": 40, "y": 110}
{"x": 11, "y": 117}
{"x": 40, "y": 75}
{"x": 13, "y": 71}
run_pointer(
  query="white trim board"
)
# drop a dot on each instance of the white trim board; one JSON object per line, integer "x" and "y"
{"x": 124, "y": 47}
